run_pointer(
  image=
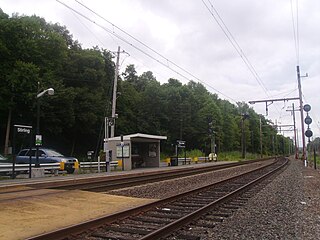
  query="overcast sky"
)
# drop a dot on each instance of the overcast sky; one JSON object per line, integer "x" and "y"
{"x": 188, "y": 36}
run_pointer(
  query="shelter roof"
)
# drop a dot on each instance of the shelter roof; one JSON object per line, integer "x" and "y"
{"x": 137, "y": 136}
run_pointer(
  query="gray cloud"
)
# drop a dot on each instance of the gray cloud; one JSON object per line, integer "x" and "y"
{"x": 185, "y": 32}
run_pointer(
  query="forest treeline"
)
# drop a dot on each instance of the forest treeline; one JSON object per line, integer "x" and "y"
{"x": 36, "y": 55}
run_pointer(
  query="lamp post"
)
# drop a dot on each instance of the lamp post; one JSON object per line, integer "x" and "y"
{"x": 50, "y": 92}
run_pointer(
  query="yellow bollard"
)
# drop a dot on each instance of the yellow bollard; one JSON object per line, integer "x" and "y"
{"x": 76, "y": 165}
{"x": 61, "y": 166}
{"x": 120, "y": 163}
{"x": 195, "y": 159}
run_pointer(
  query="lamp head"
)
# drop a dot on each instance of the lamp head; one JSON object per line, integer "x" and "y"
{"x": 50, "y": 91}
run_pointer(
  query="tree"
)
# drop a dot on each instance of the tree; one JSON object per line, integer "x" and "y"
{"x": 31, "y": 55}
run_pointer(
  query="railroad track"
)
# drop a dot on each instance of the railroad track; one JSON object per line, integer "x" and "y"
{"x": 103, "y": 184}
{"x": 168, "y": 218}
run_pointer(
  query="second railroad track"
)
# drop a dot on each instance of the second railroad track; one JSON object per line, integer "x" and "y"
{"x": 169, "y": 217}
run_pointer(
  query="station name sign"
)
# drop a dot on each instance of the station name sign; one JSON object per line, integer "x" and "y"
{"x": 181, "y": 144}
{"x": 23, "y": 129}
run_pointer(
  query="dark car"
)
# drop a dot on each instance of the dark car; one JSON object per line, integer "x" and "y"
{"x": 46, "y": 156}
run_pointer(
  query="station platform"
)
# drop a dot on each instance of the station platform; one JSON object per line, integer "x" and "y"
{"x": 34, "y": 211}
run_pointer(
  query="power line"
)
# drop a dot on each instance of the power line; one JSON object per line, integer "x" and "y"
{"x": 237, "y": 47}
{"x": 295, "y": 28}
{"x": 156, "y": 52}
{"x": 142, "y": 51}
{"x": 235, "y": 44}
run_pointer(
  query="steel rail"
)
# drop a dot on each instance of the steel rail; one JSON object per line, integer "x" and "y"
{"x": 96, "y": 223}
{"x": 120, "y": 181}
{"x": 168, "y": 229}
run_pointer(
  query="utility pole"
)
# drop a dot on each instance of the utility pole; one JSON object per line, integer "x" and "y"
{"x": 295, "y": 133}
{"x": 301, "y": 115}
{"x": 114, "y": 96}
{"x": 260, "y": 138}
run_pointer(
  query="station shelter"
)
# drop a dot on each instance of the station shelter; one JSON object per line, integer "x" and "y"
{"x": 137, "y": 150}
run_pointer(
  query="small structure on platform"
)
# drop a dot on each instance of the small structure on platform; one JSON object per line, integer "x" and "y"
{"x": 136, "y": 150}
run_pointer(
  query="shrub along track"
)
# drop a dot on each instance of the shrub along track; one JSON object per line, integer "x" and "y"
{"x": 165, "y": 217}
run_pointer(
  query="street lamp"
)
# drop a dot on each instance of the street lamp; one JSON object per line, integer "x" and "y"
{"x": 50, "y": 92}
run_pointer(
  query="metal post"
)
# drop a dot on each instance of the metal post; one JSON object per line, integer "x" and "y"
{"x": 242, "y": 138}
{"x": 177, "y": 150}
{"x": 37, "y": 165}
{"x": 314, "y": 156}
{"x": 295, "y": 133}
{"x": 214, "y": 142}
{"x": 122, "y": 158}
{"x": 211, "y": 144}
{"x": 30, "y": 148}
{"x": 114, "y": 96}
{"x": 105, "y": 129}
{"x": 13, "y": 175}
{"x": 260, "y": 138}
{"x": 301, "y": 115}
{"x": 105, "y": 146}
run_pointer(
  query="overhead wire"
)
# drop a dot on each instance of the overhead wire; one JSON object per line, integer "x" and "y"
{"x": 83, "y": 24}
{"x": 146, "y": 46}
{"x": 232, "y": 40}
{"x": 284, "y": 94}
{"x": 295, "y": 28}
{"x": 234, "y": 43}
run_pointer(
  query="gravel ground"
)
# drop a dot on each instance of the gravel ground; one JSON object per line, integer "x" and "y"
{"x": 172, "y": 187}
{"x": 286, "y": 208}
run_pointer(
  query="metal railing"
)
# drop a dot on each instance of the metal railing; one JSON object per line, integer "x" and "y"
{"x": 97, "y": 165}
{"x": 7, "y": 167}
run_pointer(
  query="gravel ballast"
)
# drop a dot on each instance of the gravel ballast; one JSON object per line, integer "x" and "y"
{"x": 172, "y": 187}
{"x": 286, "y": 208}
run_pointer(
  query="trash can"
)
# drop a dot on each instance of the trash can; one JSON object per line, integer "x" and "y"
{"x": 173, "y": 161}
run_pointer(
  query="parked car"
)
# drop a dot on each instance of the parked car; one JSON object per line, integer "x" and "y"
{"x": 46, "y": 156}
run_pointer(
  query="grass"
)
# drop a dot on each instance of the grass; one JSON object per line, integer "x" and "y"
{"x": 236, "y": 156}
{"x": 223, "y": 156}
{"x": 311, "y": 159}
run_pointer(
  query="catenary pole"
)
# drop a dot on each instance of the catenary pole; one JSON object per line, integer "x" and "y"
{"x": 301, "y": 115}
{"x": 295, "y": 133}
{"x": 114, "y": 96}
{"x": 260, "y": 138}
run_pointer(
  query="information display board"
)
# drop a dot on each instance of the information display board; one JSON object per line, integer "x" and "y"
{"x": 126, "y": 150}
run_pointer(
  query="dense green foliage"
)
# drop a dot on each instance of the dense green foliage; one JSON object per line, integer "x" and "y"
{"x": 36, "y": 55}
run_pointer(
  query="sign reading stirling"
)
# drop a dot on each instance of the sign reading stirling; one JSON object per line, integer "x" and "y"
{"x": 23, "y": 129}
